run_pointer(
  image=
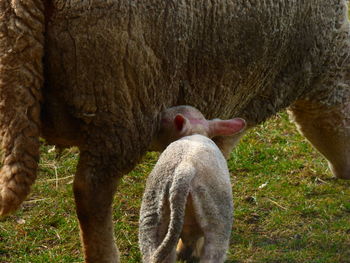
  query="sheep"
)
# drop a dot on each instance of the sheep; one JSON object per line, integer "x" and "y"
{"x": 97, "y": 73}
{"x": 188, "y": 193}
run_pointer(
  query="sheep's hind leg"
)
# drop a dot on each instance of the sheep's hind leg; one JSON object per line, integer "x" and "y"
{"x": 326, "y": 124}
{"x": 94, "y": 188}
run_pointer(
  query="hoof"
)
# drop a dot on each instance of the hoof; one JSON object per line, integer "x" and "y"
{"x": 340, "y": 172}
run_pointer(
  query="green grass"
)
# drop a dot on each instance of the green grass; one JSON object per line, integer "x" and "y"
{"x": 288, "y": 208}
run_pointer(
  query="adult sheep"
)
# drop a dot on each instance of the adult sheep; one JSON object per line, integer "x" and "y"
{"x": 97, "y": 73}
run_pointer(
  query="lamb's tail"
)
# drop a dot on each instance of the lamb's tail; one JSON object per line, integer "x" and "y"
{"x": 179, "y": 191}
{"x": 22, "y": 24}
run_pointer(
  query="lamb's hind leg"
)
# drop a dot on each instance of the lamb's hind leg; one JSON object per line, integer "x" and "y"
{"x": 187, "y": 249}
{"x": 214, "y": 215}
{"x": 325, "y": 122}
{"x": 214, "y": 249}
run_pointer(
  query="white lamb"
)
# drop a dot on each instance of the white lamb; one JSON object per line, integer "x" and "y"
{"x": 188, "y": 194}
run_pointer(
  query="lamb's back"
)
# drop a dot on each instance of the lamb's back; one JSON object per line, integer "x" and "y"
{"x": 197, "y": 151}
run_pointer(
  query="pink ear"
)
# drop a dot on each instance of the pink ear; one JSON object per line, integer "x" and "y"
{"x": 179, "y": 122}
{"x": 226, "y": 127}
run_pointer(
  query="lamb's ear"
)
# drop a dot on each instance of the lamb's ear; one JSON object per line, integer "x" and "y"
{"x": 181, "y": 124}
{"x": 226, "y": 127}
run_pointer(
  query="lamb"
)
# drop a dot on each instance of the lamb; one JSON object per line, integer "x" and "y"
{"x": 188, "y": 193}
{"x": 97, "y": 73}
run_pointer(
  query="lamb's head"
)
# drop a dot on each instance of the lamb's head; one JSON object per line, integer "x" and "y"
{"x": 180, "y": 121}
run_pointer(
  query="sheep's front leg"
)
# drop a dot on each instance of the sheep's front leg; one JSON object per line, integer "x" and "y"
{"x": 94, "y": 187}
{"x": 324, "y": 116}
{"x": 327, "y": 127}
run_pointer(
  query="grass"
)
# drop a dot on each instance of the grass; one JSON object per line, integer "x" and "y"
{"x": 288, "y": 207}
